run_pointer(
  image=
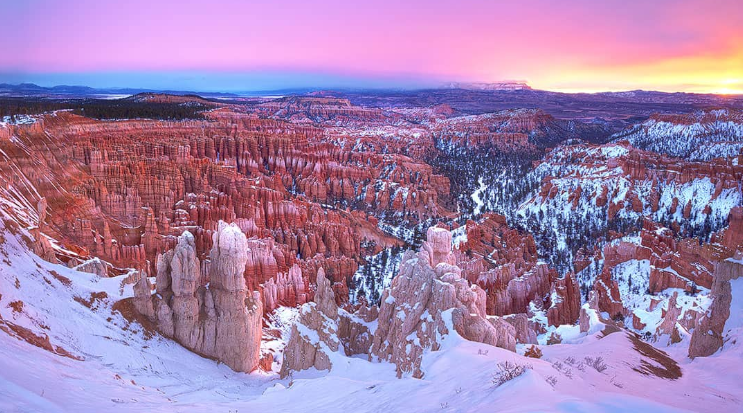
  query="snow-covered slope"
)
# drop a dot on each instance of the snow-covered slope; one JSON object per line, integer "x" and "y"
{"x": 702, "y": 135}
{"x": 114, "y": 365}
{"x": 588, "y": 190}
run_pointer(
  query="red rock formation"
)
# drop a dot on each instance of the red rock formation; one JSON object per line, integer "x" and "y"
{"x": 124, "y": 190}
{"x": 411, "y": 314}
{"x": 732, "y": 236}
{"x": 670, "y": 319}
{"x": 518, "y": 129}
{"x": 525, "y": 333}
{"x": 503, "y": 262}
{"x": 322, "y": 328}
{"x": 211, "y": 313}
{"x": 607, "y": 293}
{"x": 42, "y": 247}
{"x": 710, "y": 331}
{"x": 285, "y": 289}
{"x": 674, "y": 263}
{"x": 564, "y": 301}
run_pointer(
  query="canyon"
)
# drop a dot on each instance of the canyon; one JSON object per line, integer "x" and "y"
{"x": 302, "y": 237}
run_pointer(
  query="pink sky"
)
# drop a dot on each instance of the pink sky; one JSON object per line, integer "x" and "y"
{"x": 561, "y": 45}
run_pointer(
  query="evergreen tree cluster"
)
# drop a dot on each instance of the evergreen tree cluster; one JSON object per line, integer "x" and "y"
{"x": 12, "y": 106}
{"x": 125, "y": 109}
{"x": 102, "y": 108}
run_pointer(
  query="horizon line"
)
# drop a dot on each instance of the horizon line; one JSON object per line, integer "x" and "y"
{"x": 411, "y": 88}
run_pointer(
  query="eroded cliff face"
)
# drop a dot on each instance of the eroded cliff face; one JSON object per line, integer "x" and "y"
{"x": 322, "y": 330}
{"x": 309, "y": 183}
{"x": 213, "y": 314}
{"x": 504, "y": 262}
{"x": 124, "y": 190}
{"x": 426, "y": 300}
{"x": 701, "y": 135}
{"x": 508, "y": 130}
{"x": 644, "y": 273}
{"x": 321, "y": 109}
{"x": 590, "y": 194}
{"x": 713, "y": 326}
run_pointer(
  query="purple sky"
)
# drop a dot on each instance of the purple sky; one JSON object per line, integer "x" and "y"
{"x": 242, "y": 45}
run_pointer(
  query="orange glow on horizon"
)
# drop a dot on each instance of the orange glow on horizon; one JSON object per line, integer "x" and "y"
{"x": 582, "y": 45}
{"x": 715, "y": 74}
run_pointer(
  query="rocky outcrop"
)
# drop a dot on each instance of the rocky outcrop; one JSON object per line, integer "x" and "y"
{"x": 607, "y": 295}
{"x": 668, "y": 325}
{"x": 589, "y": 314}
{"x": 321, "y": 331}
{"x": 504, "y": 262}
{"x": 41, "y": 246}
{"x": 732, "y": 236}
{"x": 124, "y": 190}
{"x": 524, "y": 332}
{"x": 314, "y": 337}
{"x": 564, "y": 301}
{"x": 508, "y": 130}
{"x": 427, "y": 299}
{"x": 701, "y": 135}
{"x": 212, "y": 314}
{"x": 710, "y": 330}
{"x": 94, "y": 266}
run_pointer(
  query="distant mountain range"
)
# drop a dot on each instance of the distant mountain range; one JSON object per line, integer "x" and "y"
{"x": 31, "y": 89}
{"x": 616, "y": 110}
{"x": 505, "y": 88}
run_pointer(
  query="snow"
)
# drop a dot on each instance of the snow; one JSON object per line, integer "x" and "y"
{"x": 477, "y": 196}
{"x": 713, "y": 134}
{"x": 652, "y": 319}
{"x": 123, "y": 370}
{"x": 633, "y": 278}
{"x": 735, "y": 319}
{"x": 282, "y": 320}
{"x": 459, "y": 236}
{"x": 641, "y": 393}
{"x": 699, "y": 193}
{"x": 17, "y": 120}
{"x": 614, "y": 151}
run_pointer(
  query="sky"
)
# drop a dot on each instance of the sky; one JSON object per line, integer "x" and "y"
{"x": 240, "y": 45}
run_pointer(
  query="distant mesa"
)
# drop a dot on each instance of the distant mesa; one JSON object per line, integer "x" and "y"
{"x": 151, "y": 97}
{"x": 504, "y": 85}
